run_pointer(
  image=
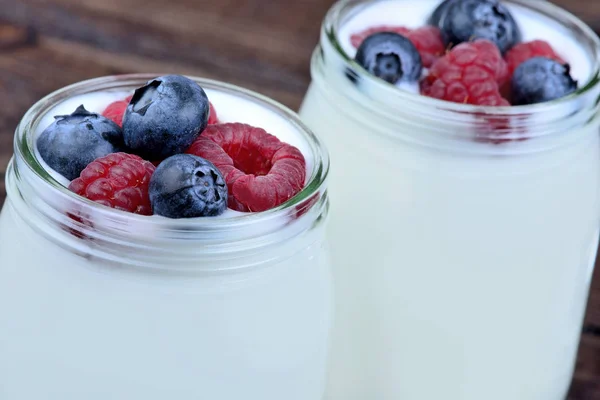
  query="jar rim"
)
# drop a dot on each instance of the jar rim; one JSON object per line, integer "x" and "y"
{"x": 335, "y": 17}
{"x": 220, "y": 235}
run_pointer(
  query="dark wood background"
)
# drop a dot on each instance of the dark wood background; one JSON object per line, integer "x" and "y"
{"x": 264, "y": 45}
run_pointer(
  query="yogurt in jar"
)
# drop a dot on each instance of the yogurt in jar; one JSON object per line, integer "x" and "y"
{"x": 462, "y": 262}
{"x": 97, "y": 303}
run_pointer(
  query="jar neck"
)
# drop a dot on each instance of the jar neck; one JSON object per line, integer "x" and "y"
{"x": 200, "y": 244}
{"x": 433, "y": 123}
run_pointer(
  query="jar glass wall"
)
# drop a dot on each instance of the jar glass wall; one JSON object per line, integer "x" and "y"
{"x": 96, "y": 303}
{"x": 463, "y": 238}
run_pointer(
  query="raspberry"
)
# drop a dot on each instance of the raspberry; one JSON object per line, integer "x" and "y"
{"x": 483, "y": 54}
{"x": 358, "y": 38}
{"x": 116, "y": 110}
{"x": 118, "y": 180}
{"x": 261, "y": 172}
{"x": 212, "y": 115}
{"x": 525, "y": 51}
{"x": 471, "y": 73}
{"x": 427, "y": 40}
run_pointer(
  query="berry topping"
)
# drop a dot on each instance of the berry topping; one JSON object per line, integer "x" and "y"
{"x": 360, "y": 37}
{"x": 429, "y": 43}
{"x": 437, "y": 14}
{"x": 464, "y": 20}
{"x": 427, "y": 40}
{"x": 165, "y": 117}
{"x": 541, "y": 79}
{"x": 390, "y": 56}
{"x": 116, "y": 110}
{"x": 471, "y": 73}
{"x": 187, "y": 186}
{"x": 212, "y": 115}
{"x": 73, "y": 141}
{"x": 118, "y": 180}
{"x": 524, "y": 51}
{"x": 261, "y": 171}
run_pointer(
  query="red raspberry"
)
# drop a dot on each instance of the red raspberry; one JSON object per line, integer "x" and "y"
{"x": 358, "y": 38}
{"x": 118, "y": 180}
{"x": 427, "y": 40}
{"x": 524, "y": 51}
{"x": 212, "y": 115}
{"x": 261, "y": 171}
{"x": 429, "y": 43}
{"x": 116, "y": 110}
{"x": 471, "y": 73}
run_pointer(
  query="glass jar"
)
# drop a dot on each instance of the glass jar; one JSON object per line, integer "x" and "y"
{"x": 463, "y": 238}
{"x": 97, "y": 303}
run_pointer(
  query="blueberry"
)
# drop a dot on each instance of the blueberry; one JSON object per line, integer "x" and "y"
{"x": 73, "y": 141}
{"x": 464, "y": 20}
{"x": 541, "y": 79}
{"x": 390, "y": 56}
{"x": 187, "y": 186}
{"x": 434, "y": 19}
{"x": 165, "y": 117}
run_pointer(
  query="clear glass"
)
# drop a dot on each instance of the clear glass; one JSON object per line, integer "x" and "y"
{"x": 97, "y": 303}
{"x": 463, "y": 238}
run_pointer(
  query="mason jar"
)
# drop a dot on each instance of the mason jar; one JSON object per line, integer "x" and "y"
{"x": 463, "y": 238}
{"x": 97, "y": 303}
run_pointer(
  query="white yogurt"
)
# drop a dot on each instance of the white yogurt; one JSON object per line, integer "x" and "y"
{"x": 131, "y": 314}
{"x": 462, "y": 269}
{"x": 414, "y": 14}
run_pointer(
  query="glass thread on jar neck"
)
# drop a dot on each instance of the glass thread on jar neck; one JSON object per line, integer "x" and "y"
{"x": 87, "y": 228}
{"x": 545, "y": 125}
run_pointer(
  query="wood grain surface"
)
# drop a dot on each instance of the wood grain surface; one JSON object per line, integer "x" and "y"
{"x": 264, "y": 45}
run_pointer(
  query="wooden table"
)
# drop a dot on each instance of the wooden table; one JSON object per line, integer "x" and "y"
{"x": 264, "y": 45}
